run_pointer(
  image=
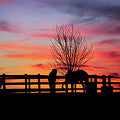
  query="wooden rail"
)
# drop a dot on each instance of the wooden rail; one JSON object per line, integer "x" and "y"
{"x": 93, "y": 81}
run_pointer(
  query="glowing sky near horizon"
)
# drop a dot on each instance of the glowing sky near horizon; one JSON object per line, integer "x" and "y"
{"x": 26, "y": 27}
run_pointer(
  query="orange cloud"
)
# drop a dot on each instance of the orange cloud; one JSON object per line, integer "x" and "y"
{"x": 108, "y": 54}
{"x": 24, "y": 48}
{"x": 29, "y": 56}
{"x": 33, "y": 52}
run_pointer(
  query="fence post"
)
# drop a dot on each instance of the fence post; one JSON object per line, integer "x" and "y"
{"x": 39, "y": 83}
{"x": 109, "y": 80}
{"x": 103, "y": 88}
{"x": 4, "y": 82}
{"x": 29, "y": 84}
{"x": 106, "y": 90}
{"x": 66, "y": 87}
{"x": 91, "y": 87}
{"x": 104, "y": 80}
{"x": 75, "y": 87}
{"x": 25, "y": 83}
{"x": 95, "y": 80}
{"x": 90, "y": 79}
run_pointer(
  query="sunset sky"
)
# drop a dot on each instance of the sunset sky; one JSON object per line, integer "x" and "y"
{"x": 26, "y": 28}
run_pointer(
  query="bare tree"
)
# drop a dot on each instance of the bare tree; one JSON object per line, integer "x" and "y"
{"x": 70, "y": 51}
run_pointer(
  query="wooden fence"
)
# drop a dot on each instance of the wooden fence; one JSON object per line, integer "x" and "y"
{"x": 5, "y": 80}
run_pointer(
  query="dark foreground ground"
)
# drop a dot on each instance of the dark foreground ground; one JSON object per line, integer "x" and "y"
{"x": 59, "y": 106}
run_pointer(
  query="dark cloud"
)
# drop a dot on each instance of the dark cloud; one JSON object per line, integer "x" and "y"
{"x": 115, "y": 29}
{"x": 114, "y": 74}
{"x": 87, "y": 9}
{"x": 114, "y": 54}
{"x": 110, "y": 41}
{"x": 106, "y": 28}
{"x": 38, "y": 65}
{"x": 110, "y": 27}
{"x": 54, "y": 3}
{"x": 113, "y": 42}
{"x": 4, "y": 26}
{"x": 112, "y": 12}
{"x": 8, "y": 27}
{"x": 93, "y": 9}
{"x": 100, "y": 67}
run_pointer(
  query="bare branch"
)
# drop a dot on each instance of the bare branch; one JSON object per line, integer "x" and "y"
{"x": 69, "y": 50}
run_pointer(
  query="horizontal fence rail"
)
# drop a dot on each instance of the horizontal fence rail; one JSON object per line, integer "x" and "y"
{"x": 94, "y": 82}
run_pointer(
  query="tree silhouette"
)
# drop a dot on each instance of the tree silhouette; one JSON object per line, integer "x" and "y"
{"x": 70, "y": 50}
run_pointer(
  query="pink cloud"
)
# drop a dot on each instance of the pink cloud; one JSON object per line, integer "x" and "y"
{"x": 43, "y": 35}
{"x": 106, "y": 28}
{"x": 108, "y": 42}
{"x": 6, "y": 2}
